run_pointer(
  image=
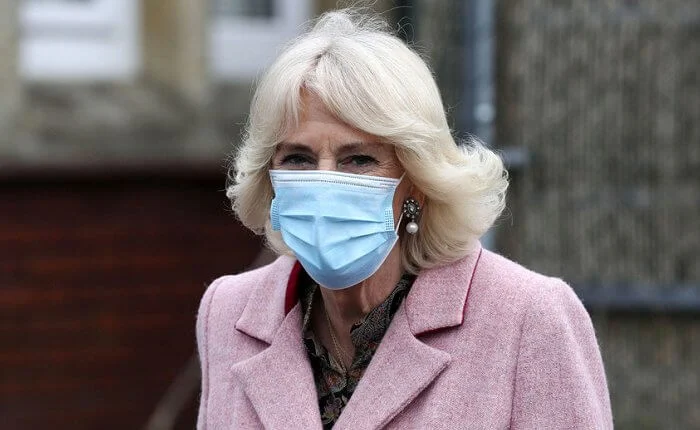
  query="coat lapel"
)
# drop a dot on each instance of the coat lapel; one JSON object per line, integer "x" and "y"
{"x": 279, "y": 381}
{"x": 265, "y": 310}
{"x": 440, "y": 296}
{"x": 403, "y": 365}
{"x": 401, "y": 368}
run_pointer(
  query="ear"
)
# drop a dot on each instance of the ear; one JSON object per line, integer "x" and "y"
{"x": 415, "y": 193}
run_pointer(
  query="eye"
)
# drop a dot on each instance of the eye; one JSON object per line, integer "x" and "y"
{"x": 296, "y": 160}
{"x": 359, "y": 161}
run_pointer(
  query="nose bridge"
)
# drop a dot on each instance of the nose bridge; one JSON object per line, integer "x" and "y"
{"x": 326, "y": 156}
{"x": 326, "y": 162}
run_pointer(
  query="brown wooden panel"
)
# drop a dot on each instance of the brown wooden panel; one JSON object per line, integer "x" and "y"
{"x": 100, "y": 281}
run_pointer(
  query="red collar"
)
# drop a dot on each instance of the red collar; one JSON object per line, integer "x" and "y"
{"x": 292, "y": 295}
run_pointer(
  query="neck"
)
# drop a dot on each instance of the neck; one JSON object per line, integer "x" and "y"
{"x": 348, "y": 306}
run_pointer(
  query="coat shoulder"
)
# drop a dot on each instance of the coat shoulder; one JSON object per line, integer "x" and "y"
{"x": 226, "y": 297}
{"x": 219, "y": 343}
{"x": 507, "y": 270}
{"x": 523, "y": 287}
{"x": 557, "y": 354}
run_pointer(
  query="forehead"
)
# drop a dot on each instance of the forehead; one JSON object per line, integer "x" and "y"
{"x": 319, "y": 128}
{"x": 313, "y": 109}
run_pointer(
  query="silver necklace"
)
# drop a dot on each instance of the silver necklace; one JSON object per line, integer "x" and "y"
{"x": 339, "y": 351}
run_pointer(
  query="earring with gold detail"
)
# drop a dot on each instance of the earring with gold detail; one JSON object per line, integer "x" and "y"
{"x": 411, "y": 210}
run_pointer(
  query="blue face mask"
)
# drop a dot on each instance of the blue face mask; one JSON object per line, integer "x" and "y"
{"x": 339, "y": 225}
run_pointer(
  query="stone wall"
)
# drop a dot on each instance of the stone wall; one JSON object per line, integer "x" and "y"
{"x": 175, "y": 47}
{"x": 439, "y": 40}
{"x": 604, "y": 97}
{"x": 10, "y": 88}
{"x": 652, "y": 364}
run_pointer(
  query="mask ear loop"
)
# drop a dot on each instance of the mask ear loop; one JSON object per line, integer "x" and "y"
{"x": 398, "y": 223}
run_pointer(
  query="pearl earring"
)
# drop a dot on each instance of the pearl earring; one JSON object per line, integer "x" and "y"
{"x": 411, "y": 210}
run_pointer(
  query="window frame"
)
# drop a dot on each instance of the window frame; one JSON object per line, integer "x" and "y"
{"x": 254, "y": 40}
{"x": 94, "y": 40}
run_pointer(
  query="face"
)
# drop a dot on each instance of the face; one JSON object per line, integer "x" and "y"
{"x": 322, "y": 142}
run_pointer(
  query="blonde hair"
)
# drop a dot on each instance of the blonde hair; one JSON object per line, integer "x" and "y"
{"x": 372, "y": 81}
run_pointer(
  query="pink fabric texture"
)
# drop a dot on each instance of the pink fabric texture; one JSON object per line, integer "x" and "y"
{"x": 479, "y": 344}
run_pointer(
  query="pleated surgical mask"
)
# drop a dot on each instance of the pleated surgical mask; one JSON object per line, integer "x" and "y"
{"x": 339, "y": 225}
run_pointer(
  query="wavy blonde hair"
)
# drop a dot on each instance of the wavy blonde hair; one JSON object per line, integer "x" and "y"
{"x": 374, "y": 82}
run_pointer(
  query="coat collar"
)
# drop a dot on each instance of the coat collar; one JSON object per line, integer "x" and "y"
{"x": 282, "y": 374}
{"x": 437, "y": 300}
{"x": 267, "y": 306}
{"x": 438, "y": 297}
{"x": 401, "y": 368}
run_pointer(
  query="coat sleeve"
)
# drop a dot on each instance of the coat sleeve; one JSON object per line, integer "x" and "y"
{"x": 560, "y": 380}
{"x": 203, "y": 317}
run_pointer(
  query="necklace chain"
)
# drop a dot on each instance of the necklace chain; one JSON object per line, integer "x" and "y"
{"x": 340, "y": 352}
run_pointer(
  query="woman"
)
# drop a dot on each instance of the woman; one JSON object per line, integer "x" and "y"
{"x": 383, "y": 309}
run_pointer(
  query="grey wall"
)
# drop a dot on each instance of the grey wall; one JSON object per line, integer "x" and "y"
{"x": 9, "y": 81}
{"x": 604, "y": 97}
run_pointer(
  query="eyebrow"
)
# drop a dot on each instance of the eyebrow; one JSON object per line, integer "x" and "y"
{"x": 292, "y": 147}
{"x": 343, "y": 148}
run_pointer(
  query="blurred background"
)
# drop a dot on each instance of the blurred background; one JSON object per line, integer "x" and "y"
{"x": 116, "y": 118}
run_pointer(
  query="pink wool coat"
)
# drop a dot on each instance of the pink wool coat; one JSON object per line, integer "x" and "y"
{"x": 480, "y": 344}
